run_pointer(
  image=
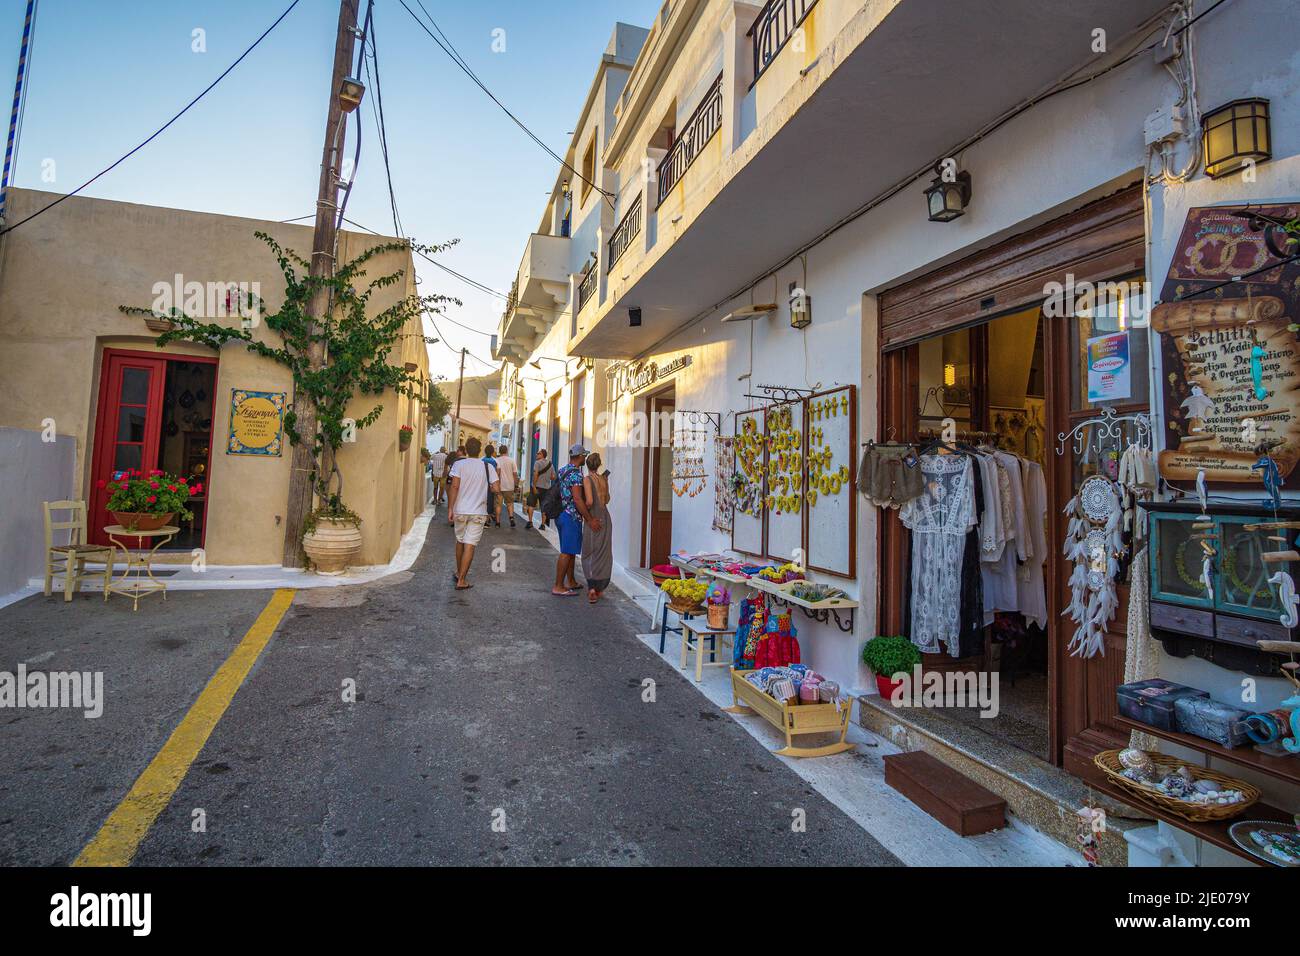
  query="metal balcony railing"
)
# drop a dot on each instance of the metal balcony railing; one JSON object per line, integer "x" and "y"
{"x": 587, "y": 287}
{"x": 776, "y": 23}
{"x": 699, "y": 129}
{"x": 627, "y": 230}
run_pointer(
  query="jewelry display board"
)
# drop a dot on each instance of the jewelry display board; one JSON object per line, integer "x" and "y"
{"x": 830, "y": 503}
{"x": 749, "y": 483}
{"x": 783, "y": 504}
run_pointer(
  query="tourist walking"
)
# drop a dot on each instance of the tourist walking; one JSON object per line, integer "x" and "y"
{"x": 489, "y": 456}
{"x": 570, "y": 522}
{"x": 473, "y": 481}
{"x": 509, "y": 473}
{"x": 438, "y": 472}
{"x": 543, "y": 476}
{"x": 597, "y": 534}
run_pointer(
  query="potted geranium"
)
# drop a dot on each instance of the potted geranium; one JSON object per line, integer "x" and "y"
{"x": 719, "y": 606}
{"x": 147, "y": 501}
{"x": 404, "y": 436}
{"x": 889, "y": 659}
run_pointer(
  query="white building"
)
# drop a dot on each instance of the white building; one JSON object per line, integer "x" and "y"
{"x": 756, "y": 152}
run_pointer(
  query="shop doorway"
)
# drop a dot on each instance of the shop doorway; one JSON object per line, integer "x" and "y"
{"x": 657, "y": 479}
{"x": 155, "y": 411}
{"x": 972, "y": 343}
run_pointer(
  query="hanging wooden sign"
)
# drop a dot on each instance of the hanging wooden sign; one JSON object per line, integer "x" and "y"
{"x": 1231, "y": 358}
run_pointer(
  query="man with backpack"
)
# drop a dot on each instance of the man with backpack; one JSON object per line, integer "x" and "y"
{"x": 543, "y": 476}
{"x": 567, "y": 505}
{"x": 473, "y": 483}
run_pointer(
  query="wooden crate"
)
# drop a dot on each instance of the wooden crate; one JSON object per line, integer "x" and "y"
{"x": 793, "y": 720}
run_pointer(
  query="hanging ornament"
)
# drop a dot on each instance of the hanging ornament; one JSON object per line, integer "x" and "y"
{"x": 1094, "y": 542}
{"x": 1272, "y": 479}
{"x": 1198, "y": 404}
{"x": 1287, "y": 598}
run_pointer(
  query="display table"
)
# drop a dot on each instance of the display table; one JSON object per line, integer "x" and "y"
{"x": 695, "y": 631}
{"x": 137, "y": 580}
{"x": 793, "y": 720}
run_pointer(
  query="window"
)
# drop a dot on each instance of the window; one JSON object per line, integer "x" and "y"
{"x": 589, "y": 164}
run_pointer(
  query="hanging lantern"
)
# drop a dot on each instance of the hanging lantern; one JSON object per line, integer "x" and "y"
{"x": 1235, "y": 135}
{"x": 800, "y": 308}
{"x": 947, "y": 198}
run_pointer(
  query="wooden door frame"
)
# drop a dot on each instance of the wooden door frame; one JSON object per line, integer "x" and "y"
{"x": 650, "y": 399}
{"x": 1101, "y": 241}
{"x": 101, "y": 451}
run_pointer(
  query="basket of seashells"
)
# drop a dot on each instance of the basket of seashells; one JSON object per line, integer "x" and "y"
{"x": 1193, "y": 793}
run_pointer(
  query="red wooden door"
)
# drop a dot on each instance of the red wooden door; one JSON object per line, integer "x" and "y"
{"x": 127, "y": 427}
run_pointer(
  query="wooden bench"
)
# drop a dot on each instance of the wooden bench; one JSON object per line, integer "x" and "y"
{"x": 959, "y": 803}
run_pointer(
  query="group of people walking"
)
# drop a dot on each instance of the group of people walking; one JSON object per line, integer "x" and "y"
{"x": 480, "y": 484}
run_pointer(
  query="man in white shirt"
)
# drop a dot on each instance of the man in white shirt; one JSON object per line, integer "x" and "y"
{"x": 438, "y": 472}
{"x": 509, "y": 473}
{"x": 473, "y": 482}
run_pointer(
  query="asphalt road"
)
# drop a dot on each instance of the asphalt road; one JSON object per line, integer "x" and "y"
{"x": 499, "y": 725}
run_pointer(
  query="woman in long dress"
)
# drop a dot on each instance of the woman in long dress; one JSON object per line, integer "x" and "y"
{"x": 597, "y": 546}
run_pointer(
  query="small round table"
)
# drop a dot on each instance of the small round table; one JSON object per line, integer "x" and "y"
{"x": 137, "y": 580}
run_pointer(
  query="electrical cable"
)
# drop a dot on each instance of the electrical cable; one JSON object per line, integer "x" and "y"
{"x": 377, "y": 107}
{"x": 226, "y": 72}
{"x": 356, "y": 154}
{"x": 460, "y": 62}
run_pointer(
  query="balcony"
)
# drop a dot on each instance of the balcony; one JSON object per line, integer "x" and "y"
{"x": 776, "y": 23}
{"x": 539, "y": 293}
{"x": 876, "y": 105}
{"x": 587, "y": 287}
{"x": 698, "y": 130}
{"x": 627, "y": 230}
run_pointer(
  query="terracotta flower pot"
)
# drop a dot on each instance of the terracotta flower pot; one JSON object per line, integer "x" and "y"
{"x": 404, "y": 440}
{"x": 333, "y": 544}
{"x": 142, "y": 520}
{"x": 887, "y": 686}
{"x": 718, "y": 616}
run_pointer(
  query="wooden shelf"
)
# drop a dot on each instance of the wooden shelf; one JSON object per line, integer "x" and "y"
{"x": 1283, "y": 768}
{"x": 1215, "y": 833}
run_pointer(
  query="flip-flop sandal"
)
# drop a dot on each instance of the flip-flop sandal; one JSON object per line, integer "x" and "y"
{"x": 568, "y": 593}
{"x": 465, "y": 588}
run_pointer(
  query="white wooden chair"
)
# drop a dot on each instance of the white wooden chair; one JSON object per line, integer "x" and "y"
{"x": 70, "y": 557}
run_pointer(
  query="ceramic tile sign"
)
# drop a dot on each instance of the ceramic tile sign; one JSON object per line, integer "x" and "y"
{"x": 1230, "y": 358}
{"x": 256, "y": 423}
{"x": 1110, "y": 373}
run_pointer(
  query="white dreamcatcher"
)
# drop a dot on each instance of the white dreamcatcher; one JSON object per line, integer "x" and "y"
{"x": 1094, "y": 541}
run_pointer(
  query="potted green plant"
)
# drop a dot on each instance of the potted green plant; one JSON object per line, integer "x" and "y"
{"x": 146, "y": 501}
{"x": 888, "y": 658}
{"x": 404, "y": 435}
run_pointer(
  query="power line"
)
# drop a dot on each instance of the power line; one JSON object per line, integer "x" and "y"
{"x": 460, "y": 62}
{"x": 377, "y": 108}
{"x": 161, "y": 129}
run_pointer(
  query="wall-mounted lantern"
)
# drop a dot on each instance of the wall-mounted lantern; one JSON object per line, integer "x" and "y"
{"x": 800, "y": 307}
{"x": 1235, "y": 135}
{"x": 949, "y": 194}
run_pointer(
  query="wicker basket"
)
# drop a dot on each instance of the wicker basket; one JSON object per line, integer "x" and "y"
{"x": 681, "y": 607}
{"x": 1108, "y": 762}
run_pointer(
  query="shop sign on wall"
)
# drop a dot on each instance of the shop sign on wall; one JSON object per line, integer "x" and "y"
{"x": 629, "y": 379}
{"x": 1109, "y": 371}
{"x": 1231, "y": 357}
{"x": 256, "y": 422}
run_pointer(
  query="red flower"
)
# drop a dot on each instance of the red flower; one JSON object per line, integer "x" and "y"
{"x": 194, "y": 490}
{"x": 151, "y": 499}
{"x": 156, "y": 471}
{"x": 153, "y": 484}
{"x": 171, "y": 487}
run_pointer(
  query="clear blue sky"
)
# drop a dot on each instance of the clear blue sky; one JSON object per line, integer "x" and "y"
{"x": 104, "y": 75}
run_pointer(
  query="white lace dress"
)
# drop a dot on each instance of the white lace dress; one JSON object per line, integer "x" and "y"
{"x": 939, "y": 520}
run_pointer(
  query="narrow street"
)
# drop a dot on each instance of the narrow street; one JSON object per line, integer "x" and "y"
{"x": 500, "y": 703}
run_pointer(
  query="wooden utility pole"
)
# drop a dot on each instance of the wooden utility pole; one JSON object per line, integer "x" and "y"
{"x": 460, "y": 388}
{"x": 301, "y": 490}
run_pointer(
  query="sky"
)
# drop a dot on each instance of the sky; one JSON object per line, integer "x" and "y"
{"x": 105, "y": 74}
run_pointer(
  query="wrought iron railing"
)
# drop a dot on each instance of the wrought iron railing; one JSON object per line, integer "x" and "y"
{"x": 699, "y": 129}
{"x": 587, "y": 287}
{"x": 776, "y": 23}
{"x": 627, "y": 230}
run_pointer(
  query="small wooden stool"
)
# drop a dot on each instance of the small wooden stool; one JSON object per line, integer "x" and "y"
{"x": 694, "y": 633}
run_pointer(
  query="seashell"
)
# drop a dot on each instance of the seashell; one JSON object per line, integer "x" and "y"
{"x": 1206, "y": 786}
{"x": 1136, "y": 760}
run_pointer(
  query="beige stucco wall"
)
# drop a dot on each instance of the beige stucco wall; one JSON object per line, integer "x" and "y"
{"x": 62, "y": 278}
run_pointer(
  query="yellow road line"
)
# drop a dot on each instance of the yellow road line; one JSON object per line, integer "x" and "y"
{"x": 118, "y": 839}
